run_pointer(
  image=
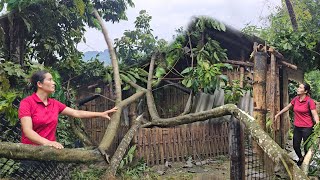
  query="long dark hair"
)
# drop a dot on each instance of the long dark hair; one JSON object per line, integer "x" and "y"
{"x": 36, "y": 77}
{"x": 307, "y": 88}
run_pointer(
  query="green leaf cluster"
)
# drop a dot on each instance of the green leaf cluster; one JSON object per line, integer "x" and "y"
{"x": 133, "y": 74}
{"x": 313, "y": 79}
{"x": 233, "y": 92}
{"x": 51, "y": 29}
{"x": 205, "y": 76}
{"x": 135, "y": 46}
{"x": 204, "y": 55}
{"x": 10, "y": 75}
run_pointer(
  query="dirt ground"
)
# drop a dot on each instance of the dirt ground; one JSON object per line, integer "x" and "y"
{"x": 215, "y": 169}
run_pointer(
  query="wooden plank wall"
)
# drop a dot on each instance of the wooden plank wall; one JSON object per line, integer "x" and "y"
{"x": 158, "y": 145}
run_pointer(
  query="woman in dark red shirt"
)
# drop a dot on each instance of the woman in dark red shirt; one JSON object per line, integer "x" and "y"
{"x": 39, "y": 114}
{"x": 303, "y": 120}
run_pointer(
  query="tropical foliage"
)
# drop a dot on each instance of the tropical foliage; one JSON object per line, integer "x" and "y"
{"x": 138, "y": 44}
{"x": 203, "y": 55}
{"x": 49, "y": 39}
{"x": 47, "y": 32}
{"x": 300, "y": 47}
{"x": 313, "y": 79}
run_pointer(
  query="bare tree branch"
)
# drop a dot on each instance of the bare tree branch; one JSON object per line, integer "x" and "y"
{"x": 113, "y": 57}
{"x": 114, "y": 124}
{"x": 190, "y": 118}
{"x": 150, "y": 100}
{"x": 132, "y": 98}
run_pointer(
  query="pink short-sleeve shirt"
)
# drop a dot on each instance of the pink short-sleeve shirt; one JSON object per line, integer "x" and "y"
{"x": 44, "y": 118}
{"x": 302, "y": 115}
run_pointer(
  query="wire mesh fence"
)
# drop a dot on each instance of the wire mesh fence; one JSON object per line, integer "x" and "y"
{"x": 26, "y": 169}
{"x": 256, "y": 168}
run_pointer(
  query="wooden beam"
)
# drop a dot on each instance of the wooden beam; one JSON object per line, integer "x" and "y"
{"x": 281, "y": 58}
{"x": 291, "y": 66}
{"x": 241, "y": 63}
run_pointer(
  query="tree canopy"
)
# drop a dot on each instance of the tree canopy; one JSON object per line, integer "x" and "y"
{"x": 301, "y": 47}
{"x": 49, "y": 31}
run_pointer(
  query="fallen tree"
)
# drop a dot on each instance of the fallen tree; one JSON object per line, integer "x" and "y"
{"x": 20, "y": 151}
{"x": 272, "y": 149}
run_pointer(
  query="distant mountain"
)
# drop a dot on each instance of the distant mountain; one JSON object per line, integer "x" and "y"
{"x": 103, "y": 56}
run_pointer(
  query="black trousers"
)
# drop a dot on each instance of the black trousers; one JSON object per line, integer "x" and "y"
{"x": 300, "y": 133}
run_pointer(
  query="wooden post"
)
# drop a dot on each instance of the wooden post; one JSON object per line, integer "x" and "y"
{"x": 234, "y": 149}
{"x": 242, "y": 133}
{"x": 284, "y": 123}
{"x": 259, "y": 92}
{"x": 241, "y": 76}
{"x": 273, "y": 88}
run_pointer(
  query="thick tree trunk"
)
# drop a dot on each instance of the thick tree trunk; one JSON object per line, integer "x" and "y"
{"x": 115, "y": 122}
{"x": 4, "y": 23}
{"x": 23, "y": 151}
{"x": 292, "y": 15}
{"x": 132, "y": 112}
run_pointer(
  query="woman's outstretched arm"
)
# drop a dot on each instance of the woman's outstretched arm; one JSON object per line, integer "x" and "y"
{"x": 87, "y": 114}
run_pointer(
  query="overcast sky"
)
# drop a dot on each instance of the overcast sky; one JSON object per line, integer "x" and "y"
{"x": 168, "y": 15}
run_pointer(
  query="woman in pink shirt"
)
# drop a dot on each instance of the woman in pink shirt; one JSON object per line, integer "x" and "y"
{"x": 305, "y": 115}
{"x": 39, "y": 114}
